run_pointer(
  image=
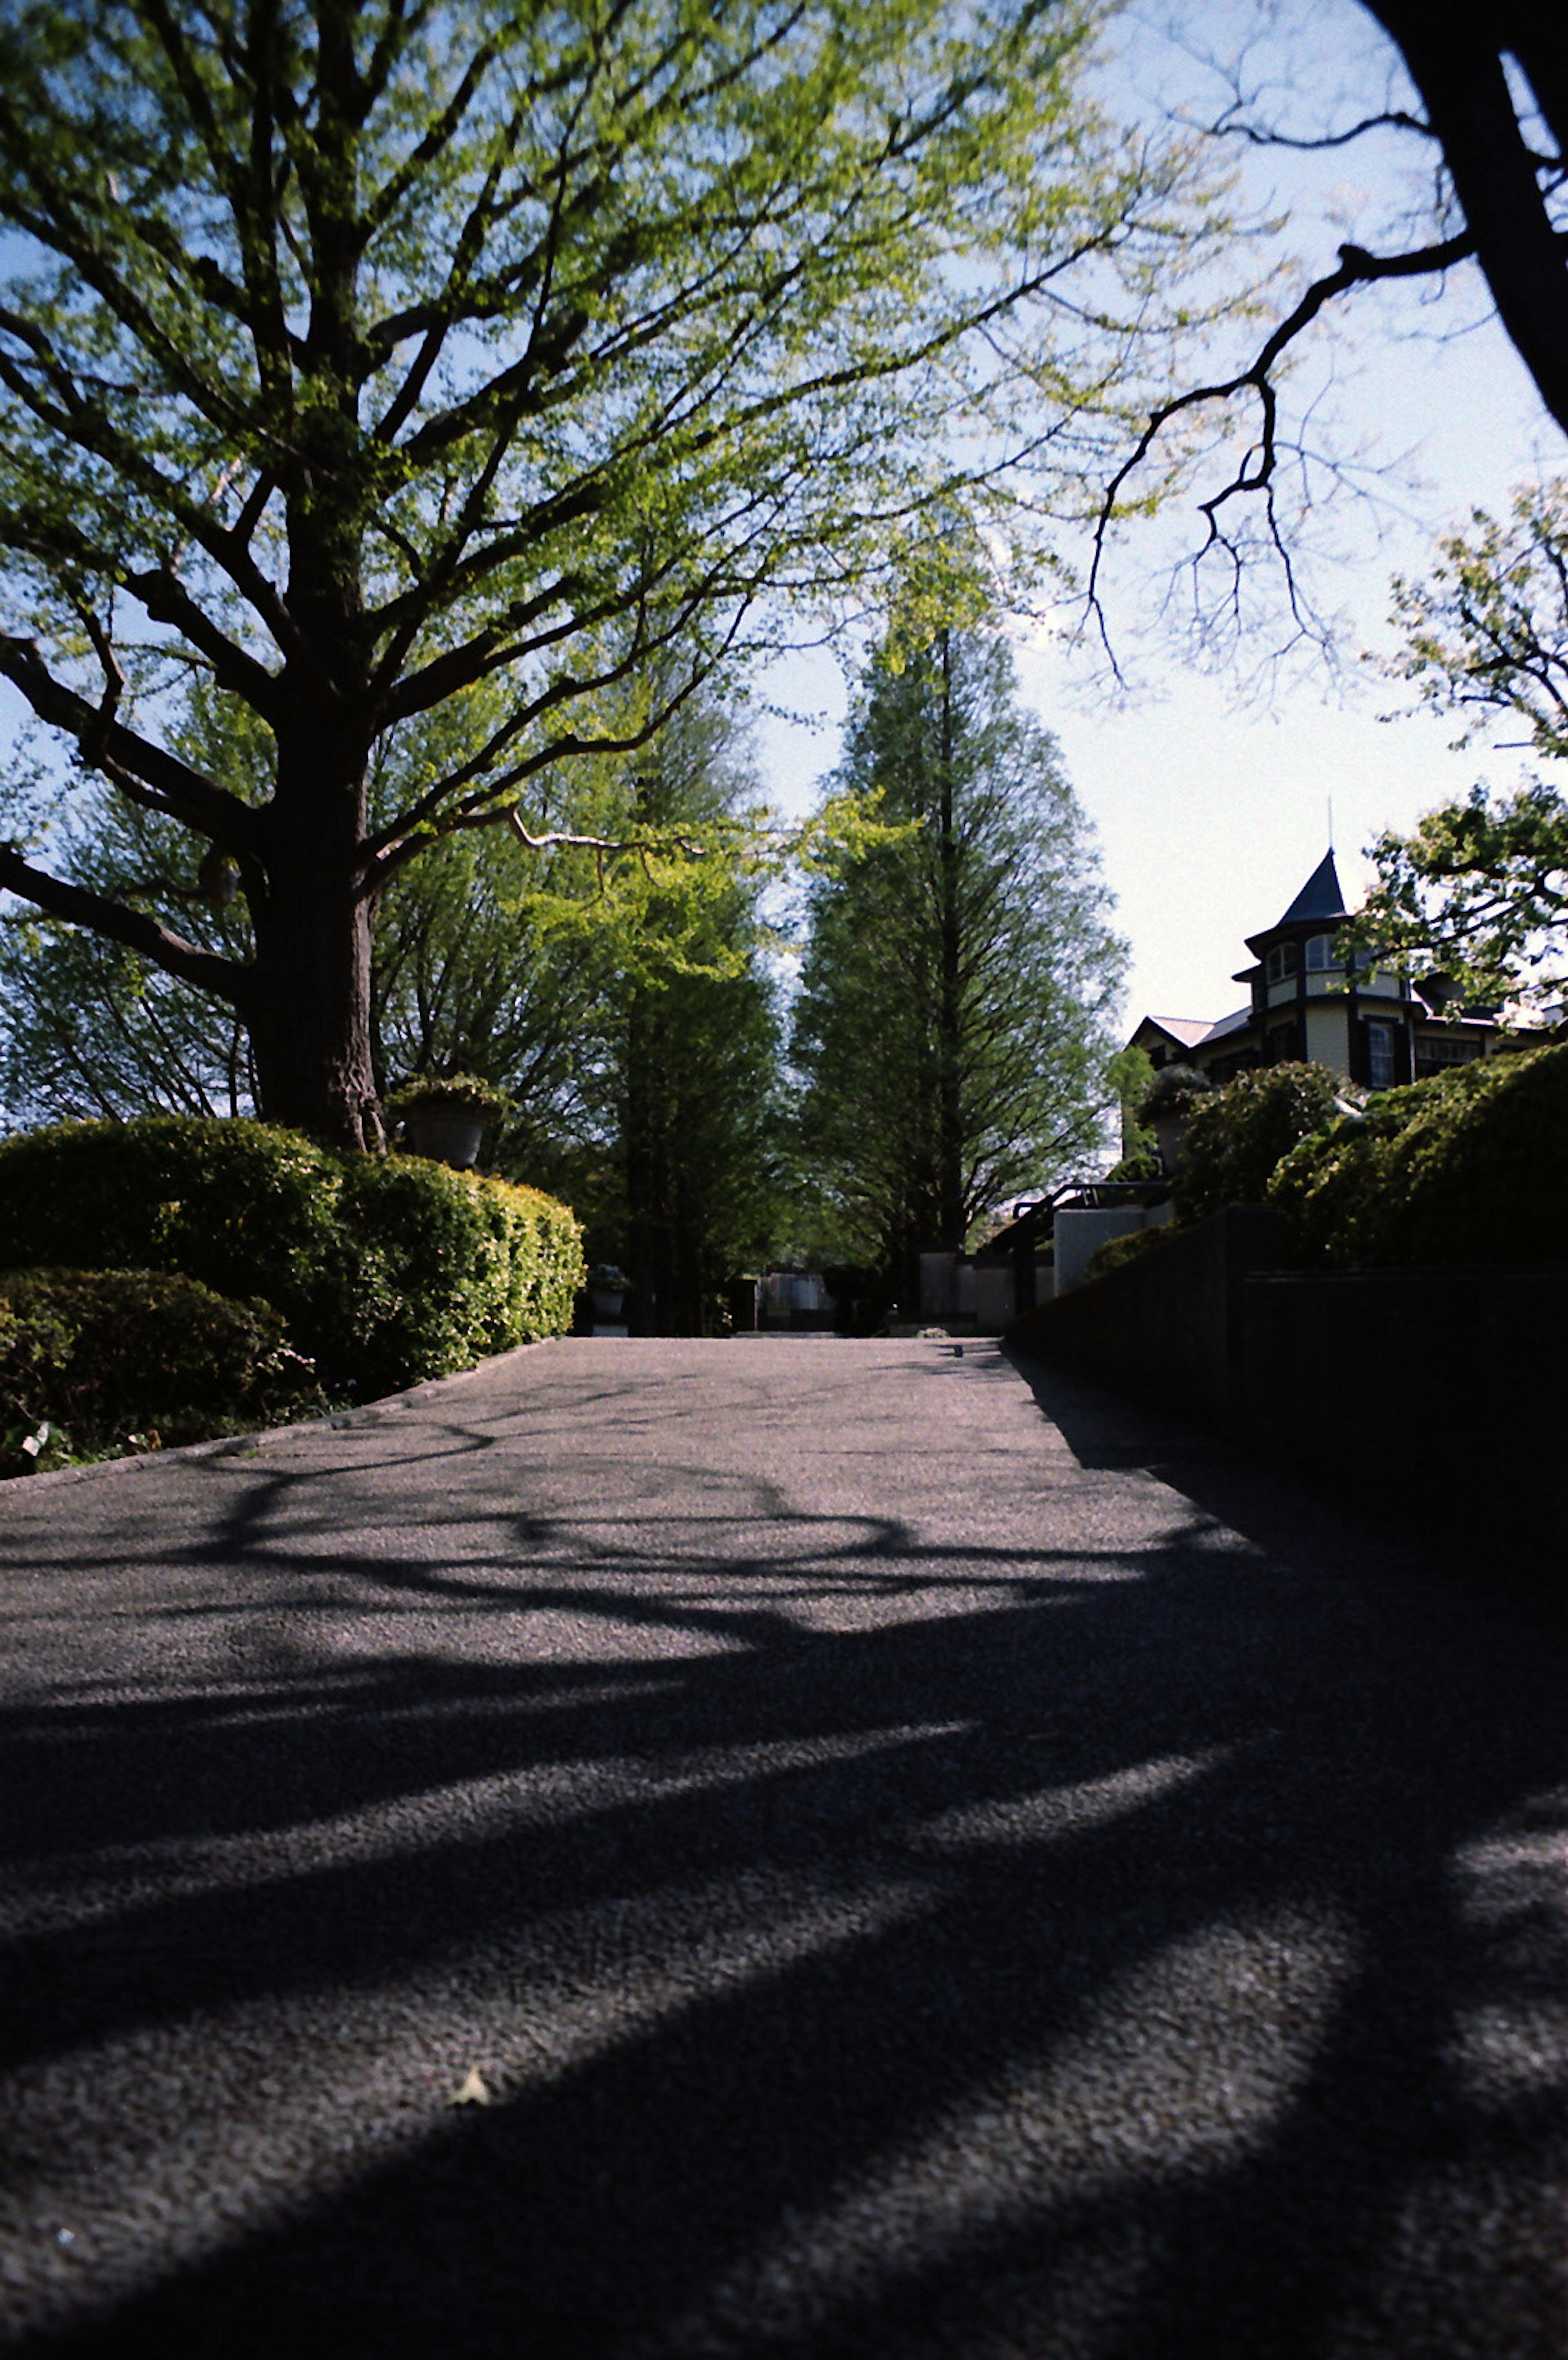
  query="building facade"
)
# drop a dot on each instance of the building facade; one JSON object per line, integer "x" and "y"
{"x": 1307, "y": 1000}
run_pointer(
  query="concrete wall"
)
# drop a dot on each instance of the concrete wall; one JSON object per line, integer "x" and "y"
{"x": 953, "y": 1287}
{"x": 1166, "y": 1323}
{"x": 1427, "y": 1391}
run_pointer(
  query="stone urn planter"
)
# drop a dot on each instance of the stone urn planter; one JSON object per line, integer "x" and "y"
{"x": 448, "y": 1134}
{"x": 446, "y": 1119}
{"x": 607, "y": 1290}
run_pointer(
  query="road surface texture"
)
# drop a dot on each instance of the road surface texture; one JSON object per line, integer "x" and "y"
{"x": 769, "y": 1850}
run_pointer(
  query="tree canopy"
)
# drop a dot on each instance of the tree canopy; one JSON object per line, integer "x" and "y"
{"x": 358, "y": 354}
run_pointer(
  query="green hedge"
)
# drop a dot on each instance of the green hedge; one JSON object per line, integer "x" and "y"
{"x": 1129, "y": 1247}
{"x": 249, "y": 1210}
{"x": 1471, "y": 1165}
{"x": 1236, "y": 1138}
{"x": 384, "y": 1270}
{"x": 447, "y": 1267}
{"x": 112, "y": 1360}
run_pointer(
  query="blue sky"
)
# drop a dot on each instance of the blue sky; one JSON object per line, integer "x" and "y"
{"x": 1210, "y": 793}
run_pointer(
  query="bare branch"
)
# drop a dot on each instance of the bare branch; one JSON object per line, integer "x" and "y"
{"x": 208, "y": 970}
{"x": 1256, "y": 470}
{"x": 107, "y": 745}
{"x": 638, "y": 844}
{"x": 1392, "y": 119}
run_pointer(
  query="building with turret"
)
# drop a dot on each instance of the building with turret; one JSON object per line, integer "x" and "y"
{"x": 1308, "y": 999}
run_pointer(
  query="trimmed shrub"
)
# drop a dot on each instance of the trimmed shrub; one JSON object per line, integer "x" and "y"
{"x": 1143, "y": 1164}
{"x": 1238, "y": 1136}
{"x": 1466, "y": 1168}
{"x": 445, "y": 1266}
{"x": 1129, "y": 1248}
{"x": 248, "y": 1209}
{"x": 121, "y": 1358}
{"x": 384, "y": 1270}
{"x": 1176, "y": 1091}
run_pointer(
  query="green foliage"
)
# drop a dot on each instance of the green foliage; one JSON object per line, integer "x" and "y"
{"x": 1173, "y": 1093}
{"x": 384, "y": 1270}
{"x": 1487, "y": 632}
{"x": 93, "y": 1363}
{"x": 952, "y": 1025}
{"x": 670, "y": 1148}
{"x": 1143, "y": 1164}
{"x": 363, "y": 357}
{"x": 1467, "y": 1167}
{"x": 447, "y": 1266}
{"x": 1130, "y": 1074}
{"x": 1238, "y": 1135}
{"x": 465, "y": 1093}
{"x": 1479, "y": 888}
{"x": 90, "y": 1027}
{"x": 249, "y": 1210}
{"x": 1131, "y": 1247}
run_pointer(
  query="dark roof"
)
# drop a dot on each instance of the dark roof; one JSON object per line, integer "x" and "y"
{"x": 1319, "y": 897}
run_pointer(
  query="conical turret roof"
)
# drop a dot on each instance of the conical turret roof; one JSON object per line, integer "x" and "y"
{"x": 1319, "y": 897}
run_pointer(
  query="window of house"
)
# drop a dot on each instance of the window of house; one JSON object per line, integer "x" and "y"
{"x": 1380, "y": 1056}
{"x": 1319, "y": 953}
{"x": 1435, "y": 1050}
{"x": 1281, "y": 962}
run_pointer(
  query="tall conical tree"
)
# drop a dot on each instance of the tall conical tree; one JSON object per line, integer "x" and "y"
{"x": 952, "y": 1025}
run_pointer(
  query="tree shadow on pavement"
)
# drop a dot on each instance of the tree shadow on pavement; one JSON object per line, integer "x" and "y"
{"x": 872, "y": 1943}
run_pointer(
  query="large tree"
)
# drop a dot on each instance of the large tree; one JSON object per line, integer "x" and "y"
{"x": 952, "y": 1023}
{"x": 354, "y": 352}
{"x": 488, "y": 956}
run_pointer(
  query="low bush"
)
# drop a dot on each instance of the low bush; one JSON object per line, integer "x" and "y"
{"x": 1464, "y": 1168}
{"x": 1128, "y": 1248}
{"x": 1237, "y": 1137}
{"x": 445, "y": 1267}
{"x": 384, "y": 1270}
{"x": 1175, "y": 1092}
{"x": 1144, "y": 1163}
{"x": 248, "y": 1209}
{"x": 96, "y": 1361}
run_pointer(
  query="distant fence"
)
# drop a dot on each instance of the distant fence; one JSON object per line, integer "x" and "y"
{"x": 1437, "y": 1391}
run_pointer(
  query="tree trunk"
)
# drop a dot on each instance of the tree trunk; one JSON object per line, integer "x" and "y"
{"x": 310, "y": 1003}
{"x": 1456, "y": 55}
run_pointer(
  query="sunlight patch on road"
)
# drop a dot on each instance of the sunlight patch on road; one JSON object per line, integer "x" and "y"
{"x": 1180, "y": 2070}
{"x": 1061, "y": 1810}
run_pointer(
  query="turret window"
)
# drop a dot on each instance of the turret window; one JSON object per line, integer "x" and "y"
{"x": 1319, "y": 953}
{"x": 1281, "y": 962}
{"x": 1380, "y": 1056}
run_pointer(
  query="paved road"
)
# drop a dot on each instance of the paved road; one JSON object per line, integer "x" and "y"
{"x": 915, "y": 1869}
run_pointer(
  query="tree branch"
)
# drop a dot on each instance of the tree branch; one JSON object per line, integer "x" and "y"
{"x": 1255, "y": 474}
{"x": 207, "y": 970}
{"x": 107, "y": 744}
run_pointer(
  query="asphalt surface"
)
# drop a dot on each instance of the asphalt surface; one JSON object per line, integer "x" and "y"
{"x": 892, "y": 1866}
